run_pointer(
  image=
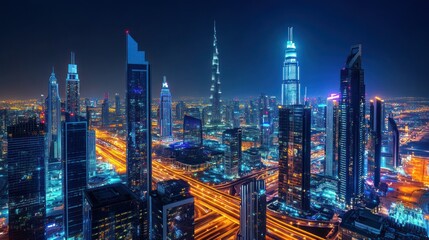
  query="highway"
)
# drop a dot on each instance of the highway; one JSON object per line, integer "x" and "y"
{"x": 225, "y": 207}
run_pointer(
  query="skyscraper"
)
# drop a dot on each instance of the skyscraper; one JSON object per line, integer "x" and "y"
{"x": 165, "y": 120}
{"x": 376, "y": 133}
{"x": 111, "y": 212}
{"x": 26, "y": 179}
{"x": 72, "y": 88}
{"x": 75, "y": 176}
{"x": 294, "y": 156}
{"x": 290, "y": 85}
{"x": 92, "y": 157}
{"x": 139, "y": 164}
{"x": 215, "y": 101}
{"x": 117, "y": 104}
{"x": 173, "y": 211}
{"x": 265, "y": 120}
{"x": 331, "y": 144}
{"x": 253, "y": 210}
{"x": 105, "y": 115}
{"x": 393, "y": 141}
{"x": 352, "y": 127}
{"x": 192, "y": 131}
{"x": 180, "y": 110}
{"x": 233, "y": 157}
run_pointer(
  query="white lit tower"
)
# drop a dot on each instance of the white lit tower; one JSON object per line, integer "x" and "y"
{"x": 215, "y": 91}
{"x": 290, "y": 85}
{"x": 165, "y": 110}
{"x": 72, "y": 88}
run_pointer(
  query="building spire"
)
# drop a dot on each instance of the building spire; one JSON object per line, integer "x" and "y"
{"x": 72, "y": 58}
{"x": 214, "y": 33}
{"x": 164, "y": 82}
{"x": 290, "y": 34}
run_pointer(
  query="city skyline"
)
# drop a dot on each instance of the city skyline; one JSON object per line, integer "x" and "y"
{"x": 98, "y": 42}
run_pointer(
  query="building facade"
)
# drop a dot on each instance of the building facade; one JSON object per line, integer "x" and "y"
{"x": 331, "y": 144}
{"x": 253, "y": 211}
{"x": 233, "y": 157}
{"x": 291, "y": 87}
{"x": 165, "y": 118}
{"x": 72, "y": 88}
{"x": 215, "y": 92}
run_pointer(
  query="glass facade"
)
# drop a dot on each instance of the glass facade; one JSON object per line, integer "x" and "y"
{"x": 26, "y": 180}
{"x": 233, "y": 157}
{"x": 290, "y": 85}
{"x": 165, "y": 118}
{"x": 331, "y": 145}
{"x": 294, "y": 156}
{"x": 215, "y": 101}
{"x": 72, "y": 89}
{"x": 192, "y": 131}
{"x": 253, "y": 211}
{"x": 75, "y": 176}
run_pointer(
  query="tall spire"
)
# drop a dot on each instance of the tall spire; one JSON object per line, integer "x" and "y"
{"x": 215, "y": 91}
{"x": 72, "y": 58}
{"x": 290, "y": 34}
{"x": 164, "y": 82}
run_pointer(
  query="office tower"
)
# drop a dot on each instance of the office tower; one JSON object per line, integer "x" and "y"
{"x": 251, "y": 159}
{"x": 72, "y": 88}
{"x": 180, "y": 110}
{"x": 139, "y": 163}
{"x": 173, "y": 211}
{"x": 232, "y": 159}
{"x": 92, "y": 157}
{"x": 111, "y": 212}
{"x": 254, "y": 113}
{"x": 192, "y": 131}
{"x": 105, "y": 118}
{"x": 229, "y": 115}
{"x": 294, "y": 156}
{"x": 331, "y": 143}
{"x": 165, "y": 120}
{"x": 26, "y": 180}
{"x": 393, "y": 142}
{"x": 253, "y": 210}
{"x": 75, "y": 176}
{"x": 352, "y": 127}
{"x": 265, "y": 120}
{"x": 117, "y": 104}
{"x": 376, "y": 133}
{"x": 215, "y": 92}
{"x": 247, "y": 114}
{"x": 290, "y": 85}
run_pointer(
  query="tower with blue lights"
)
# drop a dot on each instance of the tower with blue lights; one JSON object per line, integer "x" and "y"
{"x": 138, "y": 104}
{"x": 290, "y": 85}
{"x": 72, "y": 88}
{"x": 165, "y": 118}
{"x": 351, "y": 128}
{"x": 215, "y": 101}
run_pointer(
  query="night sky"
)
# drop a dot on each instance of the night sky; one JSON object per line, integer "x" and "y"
{"x": 177, "y": 37}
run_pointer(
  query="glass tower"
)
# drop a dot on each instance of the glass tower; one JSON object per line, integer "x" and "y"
{"x": 215, "y": 101}
{"x": 233, "y": 156}
{"x": 331, "y": 145}
{"x": 138, "y": 104}
{"x": 192, "y": 131}
{"x": 352, "y": 128}
{"x": 253, "y": 210}
{"x": 72, "y": 88}
{"x": 294, "y": 156}
{"x": 165, "y": 119}
{"x": 105, "y": 115}
{"x": 290, "y": 85}
{"x": 26, "y": 180}
{"x": 75, "y": 176}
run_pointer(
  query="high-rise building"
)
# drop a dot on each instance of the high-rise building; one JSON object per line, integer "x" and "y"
{"x": 251, "y": 160}
{"x": 352, "y": 128}
{"x": 139, "y": 163}
{"x": 331, "y": 143}
{"x": 172, "y": 211}
{"x": 92, "y": 157}
{"x": 165, "y": 118}
{"x": 75, "y": 176}
{"x": 180, "y": 110}
{"x": 253, "y": 210}
{"x": 393, "y": 142}
{"x": 192, "y": 131}
{"x": 290, "y": 85}
{"x": 111, "y": 212}
{"x": 117, "y": 104}
{"x": 26, "y": 180}
{"x": 72, "y": 88}
{"x": 377, "y": 135}
{"x": 105, "y": 115}
{"x": 236, "y": 114}
{"x": 265, "y": 120}
{"x": 232, "y": 159}
{"x": 294, "y": 156}
{"x": 193, "y": 112}
{"x": 215, "y": 92}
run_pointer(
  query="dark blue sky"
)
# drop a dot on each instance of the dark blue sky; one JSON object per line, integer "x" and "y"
{"x": 177, "y": 37}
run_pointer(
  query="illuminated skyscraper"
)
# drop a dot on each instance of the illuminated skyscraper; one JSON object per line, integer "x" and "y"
{"x": 92, "y": 157}
{"x": 165, "y": 120}
{"x": 253, "y": 210}
{"x": 393, "y": 142}
{"x": 265, "y": 120}
{"x": 139, "y": 164}
{"x": 173, "y": 211}
{"x": 75, "y": 176}
{"x": 294, "y": 156}
{"x": 72, "y": 88}
{"x": 117, "y": 104}
{"x": 26, "y": 179}
{"x": 105, "y": 115}
{"x": 233, "y": 157}
{"x": 180, "y": 110}
{"x": 111, "y": 212}
{"x": 331, "y": 145}
{"x": 215, "y": 101}
{"x": 352, "y": 127}
{"x": 377, "y": 135}
{"x": 290, "y": 85}
{"x": 192, "y": 131}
